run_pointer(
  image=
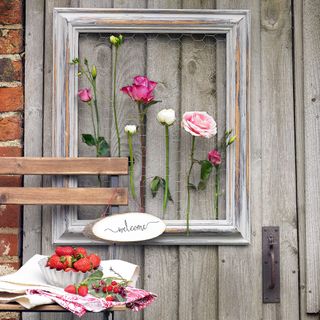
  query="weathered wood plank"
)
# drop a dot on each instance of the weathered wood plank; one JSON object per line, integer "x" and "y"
{"x": 311, "y": 49}
{"x": 278, "y": 149}
{"x": 33, "y": 114}
{"x": 161, "y": 265}
{"x": 240, "y": 268}
{"x": 63, "y": 166}
{"x": 131, "y": 61}
{"x": 64, "y": 196}
{"x": 198, "y": 268}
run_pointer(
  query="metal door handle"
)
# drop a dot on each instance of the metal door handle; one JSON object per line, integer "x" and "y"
{"x": 273, "y": 268}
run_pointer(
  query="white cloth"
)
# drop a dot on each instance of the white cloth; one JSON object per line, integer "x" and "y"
{"x": 13, "y": 286}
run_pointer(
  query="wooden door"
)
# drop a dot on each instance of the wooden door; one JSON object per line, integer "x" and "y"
{"x": 202, "y": 282}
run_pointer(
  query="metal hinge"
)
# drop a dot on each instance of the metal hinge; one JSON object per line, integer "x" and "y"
{"x": 271, "y": 264}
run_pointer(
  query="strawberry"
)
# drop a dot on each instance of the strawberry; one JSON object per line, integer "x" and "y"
{"x": 64, "y": 251}
{"x": 115, "y": 289}
{"x": 114, "y": 283}
{"x": 55, "y": 263}
{"x": 83, "y": 290}
{"x": 70, "y": 270}
{"x": 109, "y": 298}
{"x": 80, "y": 252}
{"x": 109, "y": 288}
{"x": 71, "y": 289}
{"x": 67, "y": 261}
{"x": 83, "y": 265}
{"x": 95, "y": 260}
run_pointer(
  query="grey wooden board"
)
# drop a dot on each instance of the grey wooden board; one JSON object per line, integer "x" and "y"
{"x": 32, "y": 221}
{"x": 311, "y": 46}
{"x": 236, "y": 270}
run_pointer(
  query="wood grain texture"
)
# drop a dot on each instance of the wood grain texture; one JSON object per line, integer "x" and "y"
{"x": 33, "y": 126}
{"x": 161, "y": 265}
{"x": 132, "y": 62}
{"x": 311, "y": 46}
{"x": 64, "y": 196}
{"x": 198, "y": 267}
{"x": 63, "y": 166}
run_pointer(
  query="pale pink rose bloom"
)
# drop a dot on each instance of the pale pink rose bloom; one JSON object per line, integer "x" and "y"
{"x": 199, "y": 124}
{"x": 85, "y": 94}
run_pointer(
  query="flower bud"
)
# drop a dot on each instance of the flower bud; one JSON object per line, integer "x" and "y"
{"x": 85, "y": 94}
{"x": 116, "y": 41}
{"x": 231, "y": 140}
{"x": 94, "y": 72}
{"x": 214, "y": 156}
{"x": 85, "y": 61}
{"x": 130, "y": 128}
{"x": 166, "y": 117}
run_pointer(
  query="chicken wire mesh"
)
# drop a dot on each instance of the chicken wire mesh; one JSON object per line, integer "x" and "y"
{"x": 190, "y": 70}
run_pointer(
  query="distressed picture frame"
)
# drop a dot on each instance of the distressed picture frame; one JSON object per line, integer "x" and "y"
{"x": 235, "y": 25}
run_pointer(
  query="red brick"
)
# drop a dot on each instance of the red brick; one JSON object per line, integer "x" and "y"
{"x": 10, "y": 181}
{"x": 11, "y": 99}
{"x": 9, "y": 245}
{"x": 11, "y": 11}
{"x": 10, "y": 128}
{"x": 11, "y": 41}
{"x": 10, "y": 151}
{"x": 10, "y": 216}
{"x": 8, "y": 267}
{"x": 10, "y": 70}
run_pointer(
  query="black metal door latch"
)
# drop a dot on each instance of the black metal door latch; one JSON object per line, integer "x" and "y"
{"x": 271, "y": 264}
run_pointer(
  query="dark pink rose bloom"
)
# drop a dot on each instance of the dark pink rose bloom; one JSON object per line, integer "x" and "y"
{"x": 214, "y": 156}
{"x": 199, "y": 124}
{"x": 141, "y": 90}
{"x": 85, "y": 94}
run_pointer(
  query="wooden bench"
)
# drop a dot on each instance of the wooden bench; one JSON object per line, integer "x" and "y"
{"x": 62, "y": 195}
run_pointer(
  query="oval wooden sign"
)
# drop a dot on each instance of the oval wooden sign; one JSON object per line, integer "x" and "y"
{"x": 129, "y": 227}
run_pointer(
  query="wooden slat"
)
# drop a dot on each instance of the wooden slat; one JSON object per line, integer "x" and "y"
{"x": 63, "y": 166}
{"x": 15, "y": 307}
{"x": 64, "y": 196}
{"x": 311, "y": 51}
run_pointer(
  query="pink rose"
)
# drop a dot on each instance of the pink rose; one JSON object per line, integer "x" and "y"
{"x": 141, "y": 90}
{"x": 199, "y": 124}
{"x": 85, "y": 94}
{"x": 214, "y": 156}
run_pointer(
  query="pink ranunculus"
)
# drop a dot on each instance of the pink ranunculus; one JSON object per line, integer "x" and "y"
{"x": 214, "y": 156}
{"x": 85, "y": 94}
{"x": 199, "y": 124}
{"x": 141, "y": 90}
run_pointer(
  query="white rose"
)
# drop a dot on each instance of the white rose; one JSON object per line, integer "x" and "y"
{"x": 130, "y": 128}
{"x": 166, "y": 116}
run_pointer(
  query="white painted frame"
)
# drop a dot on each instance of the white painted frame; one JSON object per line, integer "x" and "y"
{"x": 235, "y": 24}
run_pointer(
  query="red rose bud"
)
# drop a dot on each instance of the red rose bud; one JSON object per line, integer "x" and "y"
{"x": 214, "y": 156}
{"x": 85, "y": 94}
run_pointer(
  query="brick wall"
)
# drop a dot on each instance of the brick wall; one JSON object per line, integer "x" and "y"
{"x": 11, "y": 126}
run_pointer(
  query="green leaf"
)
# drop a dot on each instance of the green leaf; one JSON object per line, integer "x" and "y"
{"x": 206, "y": 169}
{"x": 151, "y": 103}
{"x": 154, "y": 185}
{"x": 103, "y": 148}
{"x": 93, "y": 277}
{"x": 119, "y": 298}
{"x": 163, "y": 185}
{"x": 88, "y": 139}
{"x": 192, "y": 186}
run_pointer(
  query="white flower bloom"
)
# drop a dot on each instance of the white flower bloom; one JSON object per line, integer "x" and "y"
{"x": 166, "y": 117}
{"x": 130, "y": 128}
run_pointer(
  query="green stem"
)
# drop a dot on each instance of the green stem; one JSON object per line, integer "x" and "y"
{"x": 114, "y": 99}
{"x": 188, "y": 182}
{"x": 142, "y": 115}
{"x": 166, "y": 190}
{"x": 131, "y": 168}
{"x": 217, "y": 193}
{"x": 93, "y": 123}
{"x": 95, "y": 102}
